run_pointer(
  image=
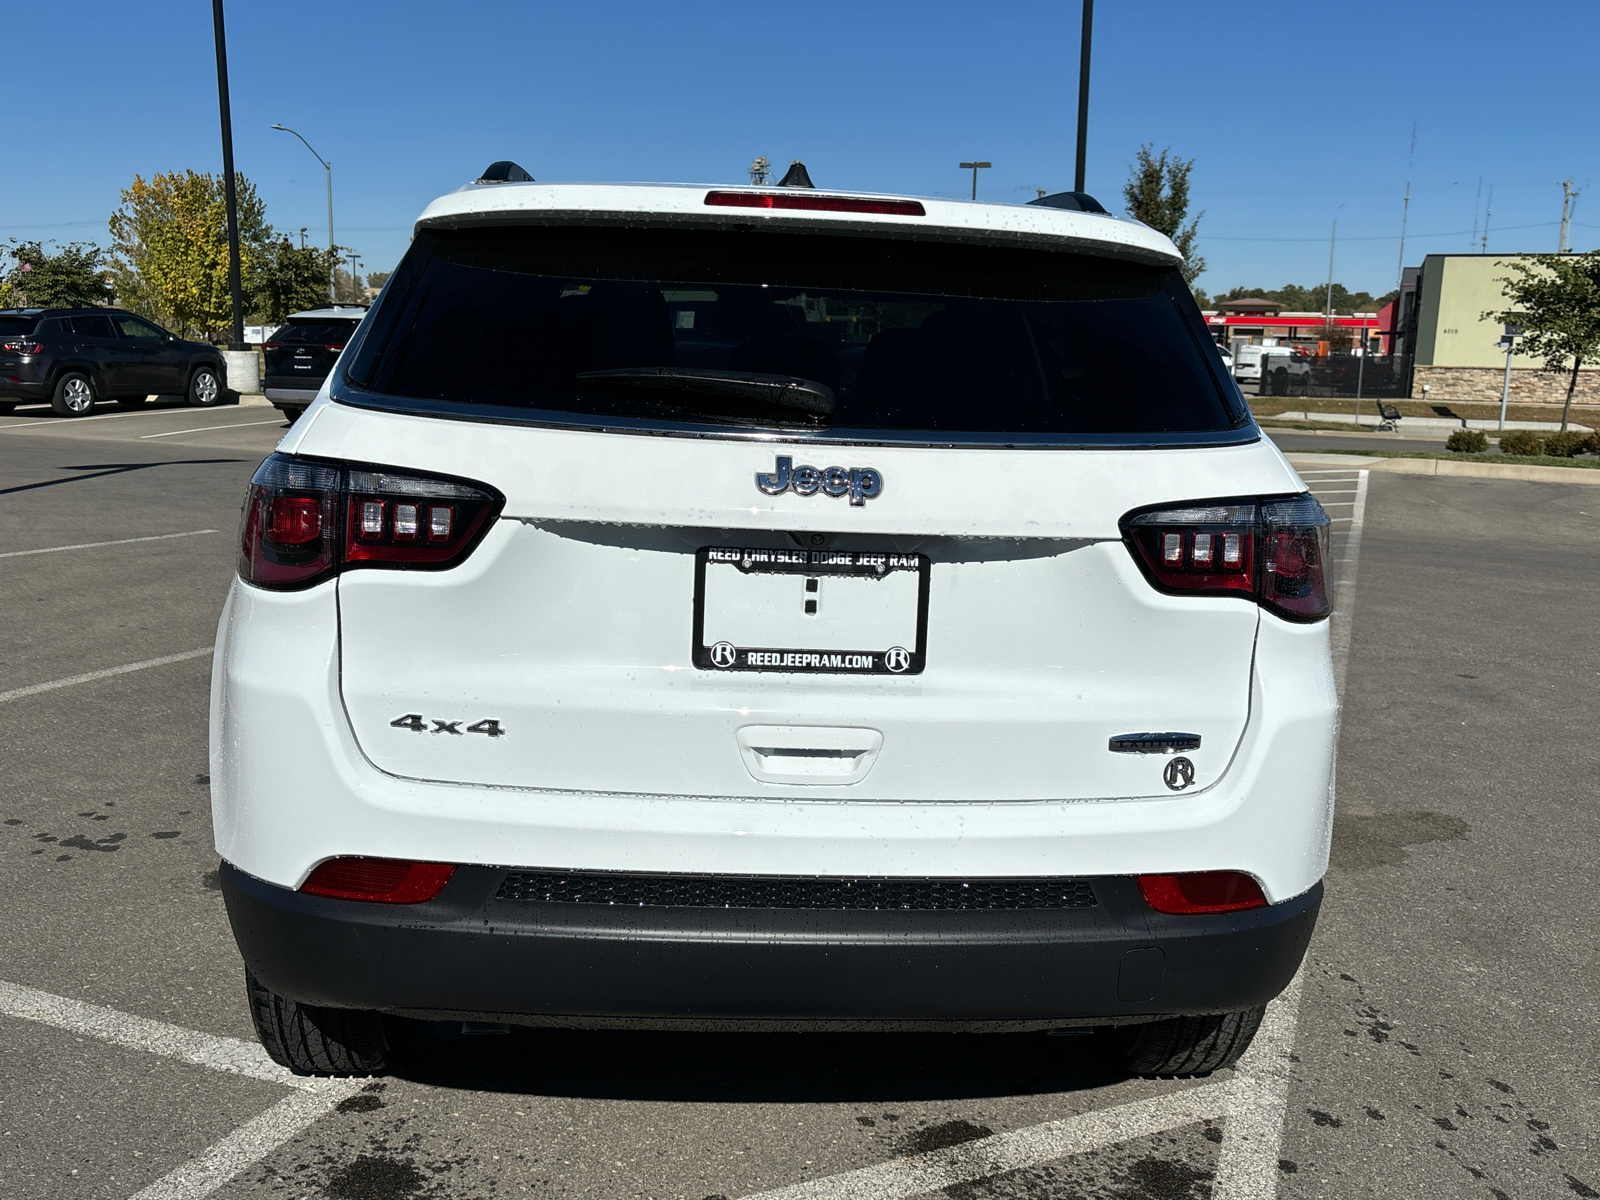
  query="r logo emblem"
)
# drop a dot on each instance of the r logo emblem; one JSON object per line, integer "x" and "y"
{"x": 1179, "y": 774}
{"x": 897, "y": 659}
{"x": 723, "y": 654}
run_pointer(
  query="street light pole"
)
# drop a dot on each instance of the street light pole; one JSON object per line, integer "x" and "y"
{"x": 975, "y": 168}
{"x": 1083, "y": 96}
{"x": 230, "y": 195}
{"x": 328, "y": 167}
{"x": 1509, "y": 344}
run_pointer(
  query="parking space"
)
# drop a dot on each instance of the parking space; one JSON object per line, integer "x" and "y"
{"x": 1441, "y": 1042}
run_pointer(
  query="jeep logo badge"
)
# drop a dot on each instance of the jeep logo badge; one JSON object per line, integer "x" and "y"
{"x": 859, "y": 483}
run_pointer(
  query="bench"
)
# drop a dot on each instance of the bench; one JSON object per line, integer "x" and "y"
{"x": 1388, "y": 417}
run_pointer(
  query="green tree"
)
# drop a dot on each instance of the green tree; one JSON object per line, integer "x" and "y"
{"x": 1555, "y": 298}
{"x": 1157, "y": 193}
{"x": 376, "y": 279}
{"x": 73, "y": 277}
{"x": 291, "y": 280}
{"x": 170, "y": 249}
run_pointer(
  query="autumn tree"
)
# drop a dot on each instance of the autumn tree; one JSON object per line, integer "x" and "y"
{"x": 1555, "y": 298}
{"x": 170, "y": 249}
{"x": 71, "y": 277}
{"x": 1157, "y": 193}
{"x": 292, "y": 280}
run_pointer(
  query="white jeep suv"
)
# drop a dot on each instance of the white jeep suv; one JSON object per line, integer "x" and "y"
{"x": 767, "y": 608}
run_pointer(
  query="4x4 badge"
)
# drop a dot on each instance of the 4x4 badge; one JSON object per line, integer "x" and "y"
{"x": 859, "y": 483}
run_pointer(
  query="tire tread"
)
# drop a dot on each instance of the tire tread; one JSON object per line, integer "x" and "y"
{"x": 1193, "y": 1045}
{"x": 311, "y": 1040}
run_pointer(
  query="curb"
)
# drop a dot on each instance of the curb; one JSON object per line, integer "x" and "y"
{"x": 1444, "y": 466}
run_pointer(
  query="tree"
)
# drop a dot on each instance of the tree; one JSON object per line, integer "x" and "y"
{"x": 72, "y": 277}
{"x": 1295, "y": 298}
{"x": 1555, "y": 298}
{"x": 1157, "y": 193}
{"x": 170, "y": 249}
{"x": 376, "y": 279}
{"x": 291, "y": 280}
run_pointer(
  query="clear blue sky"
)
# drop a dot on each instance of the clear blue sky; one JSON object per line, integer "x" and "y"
{"x": 1295, "y": 115}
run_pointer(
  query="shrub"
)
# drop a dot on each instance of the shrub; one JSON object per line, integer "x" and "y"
{"x": 1594, "y": 442}
{"x": 1467, "y": 441}
{"x": 1565, "y": 445}
{"x": 1521, "y": 441}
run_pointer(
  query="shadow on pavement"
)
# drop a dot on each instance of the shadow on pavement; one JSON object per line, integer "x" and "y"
{"x": 765, "y": 1067}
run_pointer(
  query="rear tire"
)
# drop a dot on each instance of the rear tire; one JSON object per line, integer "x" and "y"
{"x": 74, "y": 395}
{"x": 129, "y": 403}
{"x": 205, "y": 389}
{"x": 1184, "y": 1046}
{"x": 317, "y": 1041}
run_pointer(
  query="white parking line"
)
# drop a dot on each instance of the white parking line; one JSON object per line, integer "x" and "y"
{"x": 68, "y": 422}
{"x": 158, "y": 537}
{"x": 34, "y": 689}
{"x": 246, "y": 1145}
{"x": 251, "y": 1142}
{"x": 144, "y": 437}
{"x": 226, "y": 1054}
{"x": 919, "y": 1174}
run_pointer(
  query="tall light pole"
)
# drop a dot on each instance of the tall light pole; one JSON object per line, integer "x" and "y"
{"x": 975, "y": 167}
{"x": 1083, "y": 96}
{"x": 328, "y": 167}
{"x": 230, "y": 196}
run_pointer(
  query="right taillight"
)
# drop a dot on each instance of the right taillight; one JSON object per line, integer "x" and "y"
{"x": 1271, "y": 550}
{"x": 305, "y": 520}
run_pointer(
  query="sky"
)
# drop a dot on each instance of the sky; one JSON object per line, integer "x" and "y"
{"x": 1296, "y": 117}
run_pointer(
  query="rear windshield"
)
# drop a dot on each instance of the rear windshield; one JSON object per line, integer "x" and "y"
{"x": 10, "y": 326}
{"x": 320, "y": 333}
{"x": 799, "y": 331}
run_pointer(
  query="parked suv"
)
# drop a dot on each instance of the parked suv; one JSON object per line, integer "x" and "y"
{"x": 764, "y": 608}
{"x": 302, "y": 352}
{"x": 72, "y": 357}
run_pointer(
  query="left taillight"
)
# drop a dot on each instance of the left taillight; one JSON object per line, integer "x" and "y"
{"x": 1272, "y": 550}
{"x": 305, "y": 520}
{"x": 23, "y": 347}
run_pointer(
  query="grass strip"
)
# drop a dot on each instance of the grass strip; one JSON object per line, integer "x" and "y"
{"x": 1525, "y": 460}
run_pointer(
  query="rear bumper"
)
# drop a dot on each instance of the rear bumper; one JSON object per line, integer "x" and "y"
{"x": 471, "y": 955}
{"x": 295, "y": 396}
{"x": 18, "y": 390}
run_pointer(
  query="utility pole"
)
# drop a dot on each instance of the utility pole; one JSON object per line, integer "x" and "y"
{"x": 1476, "y": 202}
{"x": 1083, "y": 96}
{"x": 355, "y": 288}
{"x": 302, "y": 237}
{"x": 1569, "y": 201}
{"x": 1488, "y": 211}
{"x": 230, "y": 195}
{"x": 1400, "y": 271}
{"x": 1332, "y": 240}
{"x": 975, "y": 168}
{"x": 760, "y": 169}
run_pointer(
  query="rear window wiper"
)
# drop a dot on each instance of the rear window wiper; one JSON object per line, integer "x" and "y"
{"x": 675, "y": 385}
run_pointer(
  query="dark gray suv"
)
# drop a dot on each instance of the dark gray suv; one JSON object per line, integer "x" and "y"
{"x": 72, "y": 357}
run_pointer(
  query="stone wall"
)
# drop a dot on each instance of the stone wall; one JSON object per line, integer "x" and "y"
{"x": 1467, "y": 384}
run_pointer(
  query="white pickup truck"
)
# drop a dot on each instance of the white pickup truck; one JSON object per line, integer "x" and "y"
{"x": 1277, "y": 370}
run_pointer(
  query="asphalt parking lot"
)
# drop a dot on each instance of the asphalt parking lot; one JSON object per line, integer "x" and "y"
{"x": 1442, "y": 1040}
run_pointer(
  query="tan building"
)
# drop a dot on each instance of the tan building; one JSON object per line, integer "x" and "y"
{"x": 1456, "y": 353}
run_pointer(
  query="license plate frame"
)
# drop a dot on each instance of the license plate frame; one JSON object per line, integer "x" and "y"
{"x": 725, "y": 658}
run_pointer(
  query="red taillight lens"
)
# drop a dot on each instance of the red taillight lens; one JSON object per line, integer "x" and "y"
{"x": 1273, "y": 551}
{"x": 1202, "y": 892}
{"x": 379, "y": 880}
{"x": 24, "y": 347}
{"x": 305, "y": 520}
{"x": 272, "y": 345}
{"x": 287, "y": 538}
{"x": 849, "y": 204}
{"x": 340, "y": 346}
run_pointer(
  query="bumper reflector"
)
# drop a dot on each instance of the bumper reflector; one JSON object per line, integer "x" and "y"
{"x": 378, "y": 880}
{"x": 1202, "y": 892}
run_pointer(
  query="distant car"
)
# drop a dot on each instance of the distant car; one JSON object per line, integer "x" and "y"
{"x": 1276, "y": 370}
{"x": 73, "y": 357}
{"x": 303, "y": 351}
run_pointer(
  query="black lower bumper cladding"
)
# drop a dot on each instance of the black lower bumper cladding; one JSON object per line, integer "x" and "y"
{"x": 489, "y": 947}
